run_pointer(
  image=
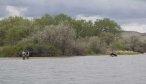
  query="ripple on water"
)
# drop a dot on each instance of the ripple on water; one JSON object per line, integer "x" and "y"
{"x": 74, "y": 70}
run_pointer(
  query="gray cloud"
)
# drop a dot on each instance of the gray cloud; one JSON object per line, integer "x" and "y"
{"x": 123, "y": 11}
{"x": 114, "y": 8}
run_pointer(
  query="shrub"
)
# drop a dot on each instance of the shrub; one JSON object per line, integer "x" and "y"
{"x": 80, "y": 47}
{"x": 36, "y": 47}
{"x": 8, "y": 51}
{"x": 61, "y": 37}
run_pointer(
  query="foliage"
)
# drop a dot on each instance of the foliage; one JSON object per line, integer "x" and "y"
{"x": 133, "y": 43}
{"x": 62, "y": 35}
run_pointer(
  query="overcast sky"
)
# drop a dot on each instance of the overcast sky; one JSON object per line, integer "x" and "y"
{"x": 130, "y": 14}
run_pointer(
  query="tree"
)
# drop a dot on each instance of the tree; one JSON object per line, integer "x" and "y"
{"x": 62, "y": 18}
{"x": 107, "y": 25}
{"x": 45, "y": 20}
{"x": 13, "y": 29}
{"x": 58, "y": 35}
{"x": 13, "y": 35}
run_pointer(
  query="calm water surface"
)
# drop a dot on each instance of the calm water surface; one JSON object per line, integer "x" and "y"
{"x": 74, "y": 70}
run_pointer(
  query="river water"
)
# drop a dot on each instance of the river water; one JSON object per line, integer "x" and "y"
{"x": 74, "y": 70}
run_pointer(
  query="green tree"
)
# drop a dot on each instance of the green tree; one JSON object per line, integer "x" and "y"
{"x": 45, "y": 20}
{"x": 14, "y": 35}
{"x": 62, "y": 18}
{"x": 107, "y": 25}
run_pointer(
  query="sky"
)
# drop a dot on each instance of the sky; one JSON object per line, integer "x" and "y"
{"x": 129, "y": 14}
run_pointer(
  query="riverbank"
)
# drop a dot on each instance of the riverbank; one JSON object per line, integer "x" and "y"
{"x": 45, "y": 57}
{"x": 127, "y": 52}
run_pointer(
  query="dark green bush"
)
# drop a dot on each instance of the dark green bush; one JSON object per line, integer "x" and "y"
{"x": 8, "y": 51}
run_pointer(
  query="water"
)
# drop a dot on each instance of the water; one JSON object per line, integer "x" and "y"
{"x": 74, "y": 70}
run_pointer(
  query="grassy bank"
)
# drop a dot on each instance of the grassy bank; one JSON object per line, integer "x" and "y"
{"x": 127, "y": 52}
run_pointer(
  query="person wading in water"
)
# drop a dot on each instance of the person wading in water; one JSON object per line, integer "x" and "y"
{"x": 113, "y": 54}
{"x": 25, "y": 54}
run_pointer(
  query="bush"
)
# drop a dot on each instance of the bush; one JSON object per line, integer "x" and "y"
{"x": 96, "y": 46}
{"x": 8, "y": 51}
{"x": 61, "y": 37}
{"x": 37, "y": 48}
{"x": 80, "y": 47}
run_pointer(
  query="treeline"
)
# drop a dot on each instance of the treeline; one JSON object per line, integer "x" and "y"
{"x": 62, "y": 35}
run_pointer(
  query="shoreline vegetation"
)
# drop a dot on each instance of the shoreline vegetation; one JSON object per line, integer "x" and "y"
{"x": 61, "y": 35}
{"x": 98, "y": 55}
{"x": 127, "y": 52}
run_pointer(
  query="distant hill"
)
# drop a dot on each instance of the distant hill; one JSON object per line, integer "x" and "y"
{"x": 127, "y": 34}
